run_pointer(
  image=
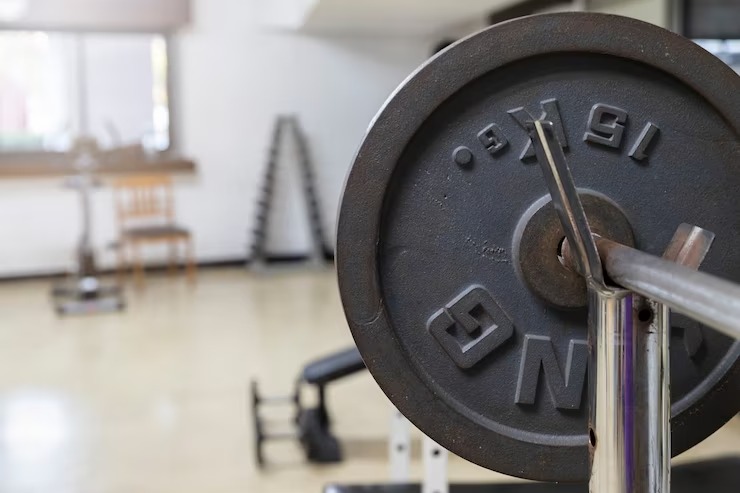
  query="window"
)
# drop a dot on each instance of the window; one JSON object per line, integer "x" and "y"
{"x": 56, "y": 86}
{"x": 726, "y": 50}
{"x": 711, "y": 19}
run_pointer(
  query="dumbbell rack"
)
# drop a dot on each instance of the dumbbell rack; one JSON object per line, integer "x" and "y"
{"x": 288, "y": 124}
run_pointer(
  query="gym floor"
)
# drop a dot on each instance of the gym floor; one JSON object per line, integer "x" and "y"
{"x": 155, "y": 399}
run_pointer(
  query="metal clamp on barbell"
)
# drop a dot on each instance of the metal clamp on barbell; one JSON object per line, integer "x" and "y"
{"x": 706, "y": 298}
{"x": 630, "y": 422}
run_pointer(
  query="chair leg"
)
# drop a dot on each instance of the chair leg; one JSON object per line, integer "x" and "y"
{"x": 121, "y": 263}
{"x": 131, "y": 259}
{"x": 172, "y": 261}
{"x": 191, "y": 267}
{"x": 138, "y": 266}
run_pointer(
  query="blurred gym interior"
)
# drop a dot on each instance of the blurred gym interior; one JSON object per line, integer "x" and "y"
{"x": 171, "y": 174}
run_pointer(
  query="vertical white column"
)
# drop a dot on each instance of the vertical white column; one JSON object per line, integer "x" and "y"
{"x": 399, "y": 447}
{"x": 435, "y": 460}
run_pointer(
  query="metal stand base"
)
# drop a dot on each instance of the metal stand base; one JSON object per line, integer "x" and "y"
{"x": 715, "y": 476}
{"x": 87, "y": 296}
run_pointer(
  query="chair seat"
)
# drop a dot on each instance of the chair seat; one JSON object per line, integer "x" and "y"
{"x": 154, "y": 232}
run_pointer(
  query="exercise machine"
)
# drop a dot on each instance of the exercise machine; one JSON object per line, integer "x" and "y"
{"x": 310, "y": 426}
{"x": 85, "y": 292}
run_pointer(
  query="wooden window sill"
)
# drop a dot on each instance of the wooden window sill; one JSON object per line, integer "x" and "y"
{"x": 51, "y": 164}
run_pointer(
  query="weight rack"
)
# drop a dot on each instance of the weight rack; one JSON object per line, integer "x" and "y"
{"x": 288, "y": 125}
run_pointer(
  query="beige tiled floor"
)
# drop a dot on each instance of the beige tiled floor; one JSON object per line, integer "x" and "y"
{"x": 154, "y": 400}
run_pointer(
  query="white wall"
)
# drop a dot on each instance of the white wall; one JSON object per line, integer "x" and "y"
{"x": 233, "y": 78}
{"x": 285, "y": 14}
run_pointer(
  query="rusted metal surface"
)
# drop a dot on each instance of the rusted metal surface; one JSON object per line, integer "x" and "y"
{"x": 538, "y": 261}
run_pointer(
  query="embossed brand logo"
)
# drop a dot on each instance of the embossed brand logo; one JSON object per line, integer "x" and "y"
{"x": 471, "y": 326}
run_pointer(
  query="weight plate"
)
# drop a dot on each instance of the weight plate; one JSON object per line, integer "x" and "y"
{"x": 453, "y": 297}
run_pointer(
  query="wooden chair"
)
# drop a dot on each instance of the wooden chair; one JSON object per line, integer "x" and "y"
{"x": 145, "y": 213}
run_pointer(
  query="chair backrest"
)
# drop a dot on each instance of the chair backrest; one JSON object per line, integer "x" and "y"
{"x": 143, "y": 200}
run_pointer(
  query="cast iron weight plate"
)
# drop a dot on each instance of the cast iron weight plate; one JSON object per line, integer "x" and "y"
{"x": 446, "y": 247}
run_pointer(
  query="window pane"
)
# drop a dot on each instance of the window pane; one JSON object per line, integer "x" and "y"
{"x": 726, "y": 50}
{"x": 712, "y": 19}
{"x": 57, "y": 86}
{"x": 127, "y": 89}
{"x": 36, "y": 89}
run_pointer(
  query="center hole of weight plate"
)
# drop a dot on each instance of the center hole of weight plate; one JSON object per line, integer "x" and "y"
{"x": 540, "y": 245}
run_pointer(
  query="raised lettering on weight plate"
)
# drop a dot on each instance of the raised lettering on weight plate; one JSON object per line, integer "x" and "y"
{"x": 470, "y": 327}
{"x": 551, "y": 113}
{"x": 564, "y": 388}
{"x": 493, "y": 139}
{"x": 606, "y": 125}
{"x": 648, "y": 135}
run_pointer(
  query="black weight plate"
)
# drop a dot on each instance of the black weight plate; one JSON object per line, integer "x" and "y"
{"x": 437, "y": 205}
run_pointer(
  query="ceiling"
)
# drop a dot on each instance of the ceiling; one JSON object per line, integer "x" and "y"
{"x": 386, "y": 17}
